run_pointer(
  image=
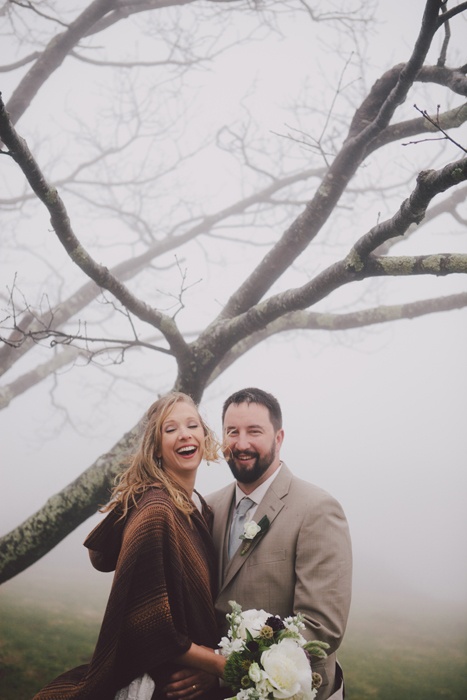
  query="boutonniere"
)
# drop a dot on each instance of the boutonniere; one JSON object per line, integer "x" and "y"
{"x": 253, "y": 531}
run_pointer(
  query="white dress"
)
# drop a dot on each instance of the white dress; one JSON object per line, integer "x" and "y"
{"x": 142, "y": 688}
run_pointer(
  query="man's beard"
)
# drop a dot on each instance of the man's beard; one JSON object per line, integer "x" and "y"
{"x": 248, "y": 475}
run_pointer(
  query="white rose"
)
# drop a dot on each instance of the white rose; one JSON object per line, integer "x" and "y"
{"x": 253, "y": 621}
{"x": 251, "y": 529}
{"x": 288, "y": 670}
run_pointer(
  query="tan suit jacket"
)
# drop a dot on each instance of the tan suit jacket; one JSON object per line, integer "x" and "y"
{"x": 302, "y": 563}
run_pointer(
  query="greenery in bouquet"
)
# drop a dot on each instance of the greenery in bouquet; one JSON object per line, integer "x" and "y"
{"x": 268, "y": 657}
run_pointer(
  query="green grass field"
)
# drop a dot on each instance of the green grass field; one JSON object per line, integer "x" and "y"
{"x": 418, "y": 656}
{"x": 41, "y": 635}
{"x": 412, "y": 657}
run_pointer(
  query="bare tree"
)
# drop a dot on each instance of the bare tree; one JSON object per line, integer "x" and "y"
{"x": 131, "y": 310}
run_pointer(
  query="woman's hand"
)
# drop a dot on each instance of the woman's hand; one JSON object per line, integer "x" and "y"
{"x": 189, "y": 683}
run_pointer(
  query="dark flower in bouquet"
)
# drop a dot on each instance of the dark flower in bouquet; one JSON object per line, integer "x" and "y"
{"x": 268, "y": 657}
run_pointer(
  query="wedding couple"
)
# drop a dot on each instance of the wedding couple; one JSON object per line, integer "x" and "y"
{"x": 179, "y": 560}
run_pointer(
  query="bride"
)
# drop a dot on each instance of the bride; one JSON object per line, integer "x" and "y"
{"x": 156, "y": 536}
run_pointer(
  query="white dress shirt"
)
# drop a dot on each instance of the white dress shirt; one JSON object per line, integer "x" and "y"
{"x": 256, "y": 496}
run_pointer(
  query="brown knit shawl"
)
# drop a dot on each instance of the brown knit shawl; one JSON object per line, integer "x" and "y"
{"x": 161, "y": 598}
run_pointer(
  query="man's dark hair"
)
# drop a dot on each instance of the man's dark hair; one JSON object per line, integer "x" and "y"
{"x": 253, "y": 395}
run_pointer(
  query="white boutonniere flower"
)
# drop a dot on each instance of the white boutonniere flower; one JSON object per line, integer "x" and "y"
{"x": 253, "y": 531}
{"x": 250, "y": 530}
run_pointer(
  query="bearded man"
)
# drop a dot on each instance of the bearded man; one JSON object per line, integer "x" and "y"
{"x": 300, "y": 561}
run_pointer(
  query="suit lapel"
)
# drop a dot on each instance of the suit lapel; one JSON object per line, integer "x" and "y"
{"x": 221, "y": 526}
{"x": 271, "y": 505}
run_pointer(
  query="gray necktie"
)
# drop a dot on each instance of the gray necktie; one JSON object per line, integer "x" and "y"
{"x": 238, "y": 522}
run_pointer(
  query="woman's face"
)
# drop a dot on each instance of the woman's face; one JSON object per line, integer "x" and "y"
{"x": 182, "y": 443}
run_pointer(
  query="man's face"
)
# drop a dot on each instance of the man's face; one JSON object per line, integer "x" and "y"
{"x": 252, "y": 444}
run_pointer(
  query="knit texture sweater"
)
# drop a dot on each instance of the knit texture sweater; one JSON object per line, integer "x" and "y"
{"x": 160, "y": 602}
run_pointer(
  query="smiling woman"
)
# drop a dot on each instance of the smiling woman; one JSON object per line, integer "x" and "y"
{"x": 182, "y": 444}
{"x": 156, "y": 536}
{"x": 172, "y": 422}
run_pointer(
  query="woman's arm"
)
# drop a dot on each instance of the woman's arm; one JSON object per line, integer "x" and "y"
{"x": 203, "y": 659}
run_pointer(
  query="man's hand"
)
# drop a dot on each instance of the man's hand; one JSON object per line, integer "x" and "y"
{"x": 189, "y": 683}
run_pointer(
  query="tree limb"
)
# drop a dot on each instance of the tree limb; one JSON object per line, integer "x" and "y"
{"x": 32, "y": 323}
{"x": 101, "y": 275}
{"x": 313, "y": 321}
{"x": 362, "y": 133}
{"x": 64, "y": 511}
{"x": 429, "y": 184}
{"x": 53, "y": 56}
{"x": 66, "y": 356}
{"x": 357, "y": 265}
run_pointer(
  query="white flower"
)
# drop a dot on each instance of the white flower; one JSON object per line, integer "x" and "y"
{"x": 228, "y": 646}
{"x": 288, "y": 670}
{"x": 253, "y": 621}
{"x": 264, "y": 688}
{"x": 246, "y": 694}
{"x": 294, "y": 624}
{"x": 255, "y": 673}
{"x": 250, "y": 530}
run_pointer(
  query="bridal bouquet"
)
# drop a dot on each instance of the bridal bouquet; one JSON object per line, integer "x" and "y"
{"x": 268, "y": 658}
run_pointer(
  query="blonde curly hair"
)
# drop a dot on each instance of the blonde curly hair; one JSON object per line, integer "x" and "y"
{"x": 146, "y": 469}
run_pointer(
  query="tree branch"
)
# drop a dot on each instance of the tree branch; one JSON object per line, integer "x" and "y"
{"x": 19, "y": 64}
{"x": 313, "y": 321}
{"x": 66, "y": 356}
{"x": 429, "y": 184}
{"x": 64, "y": 511}
{"x": 101, "y": 275}
{"x": 356, "y": 266}
{"x": 68, "y": 308}
{"x": 53, "y": 56}
{"x": 362, "y": 133}
{"x": 452, "y": 119}
{"x": 449, "y": 14}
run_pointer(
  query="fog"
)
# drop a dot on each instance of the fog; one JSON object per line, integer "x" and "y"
{"x": 376, "y": 416}
{"x": 379, "y": 424}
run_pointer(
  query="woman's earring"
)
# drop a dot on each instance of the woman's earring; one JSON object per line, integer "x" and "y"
{"x": 158, "y": 461}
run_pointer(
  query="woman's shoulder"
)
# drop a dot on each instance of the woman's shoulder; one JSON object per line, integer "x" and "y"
{"x": 154, "y": 493}
{"x": 154, "y": 503}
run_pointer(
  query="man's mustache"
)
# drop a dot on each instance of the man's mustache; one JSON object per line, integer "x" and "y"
{"x": 244, "y": 453}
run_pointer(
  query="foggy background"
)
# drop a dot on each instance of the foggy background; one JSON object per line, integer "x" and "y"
{"x": 382, "y": 427}
{"x": 376, "y": 416}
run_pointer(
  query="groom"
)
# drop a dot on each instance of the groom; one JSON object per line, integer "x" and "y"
{"x": 300, "y": 560}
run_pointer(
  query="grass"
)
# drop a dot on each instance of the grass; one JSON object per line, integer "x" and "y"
{"x": 44, "y": 632}
{"x": 416, "y": 656}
